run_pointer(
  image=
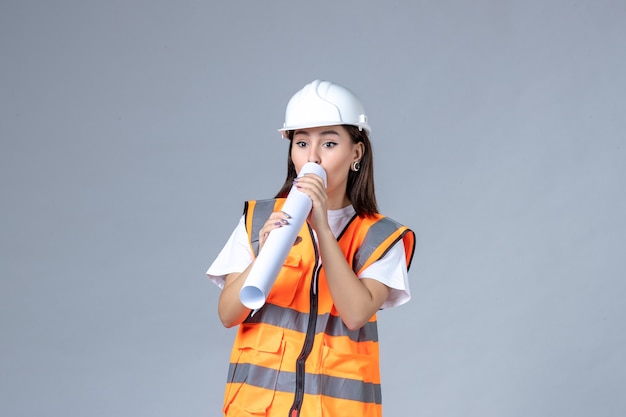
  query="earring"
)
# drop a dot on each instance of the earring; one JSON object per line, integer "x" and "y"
{"x": 356, "y": 165}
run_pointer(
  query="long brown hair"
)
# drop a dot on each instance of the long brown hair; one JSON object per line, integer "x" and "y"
{"x": 360, "y": 187}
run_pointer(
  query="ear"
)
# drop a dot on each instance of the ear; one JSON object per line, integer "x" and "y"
{"x": 359, "y": 150}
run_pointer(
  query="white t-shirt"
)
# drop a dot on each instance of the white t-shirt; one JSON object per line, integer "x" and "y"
{"x": 391, "y": 270}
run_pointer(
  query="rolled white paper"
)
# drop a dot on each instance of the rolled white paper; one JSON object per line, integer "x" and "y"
{"x": 278, "y": 244}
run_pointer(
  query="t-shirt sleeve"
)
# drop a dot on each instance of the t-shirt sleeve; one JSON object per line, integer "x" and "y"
{"x": 391, "y": 271}
{"x": 235, "y": 256}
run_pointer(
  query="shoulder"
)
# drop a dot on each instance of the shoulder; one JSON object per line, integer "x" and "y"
{"x": 380, "y": 222}
{"x": 382, "y": 232}
{"x": 266, "y": 205}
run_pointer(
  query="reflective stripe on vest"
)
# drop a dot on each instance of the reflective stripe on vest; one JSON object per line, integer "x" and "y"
{"x": 261, "y": 210}
{"x": 326, "y": 323}
{"x": 381, "y": 231}
{"x": 286, "y": 360}
{"x": 316, "y": 384}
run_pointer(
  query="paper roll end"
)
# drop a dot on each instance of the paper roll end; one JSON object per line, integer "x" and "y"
{"x": 252, "y": 297}
{"x": 313, "y": 168}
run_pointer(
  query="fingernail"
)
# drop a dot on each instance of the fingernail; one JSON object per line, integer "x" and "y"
{"x": 284, "y": 221}
{"x": 287, "y": 215}
{"x": 278, "y": 224}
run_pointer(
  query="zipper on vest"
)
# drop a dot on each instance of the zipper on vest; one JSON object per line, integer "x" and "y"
{"x": 309, "y": 338}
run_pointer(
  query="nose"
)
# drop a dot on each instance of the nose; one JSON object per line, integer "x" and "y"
{"x": 313, "y": 155}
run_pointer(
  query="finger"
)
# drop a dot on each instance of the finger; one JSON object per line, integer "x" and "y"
{"x": 310, "y": 186}
{"x": 314, "y": 189}
{"x": 279, "y": 216}
{"x": 277, "y": 219}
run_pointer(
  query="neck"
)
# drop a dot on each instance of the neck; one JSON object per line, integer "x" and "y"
{"x": 336, "y": 203}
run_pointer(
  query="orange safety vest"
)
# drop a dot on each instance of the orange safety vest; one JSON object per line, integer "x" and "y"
{"x": 294, "y": 356}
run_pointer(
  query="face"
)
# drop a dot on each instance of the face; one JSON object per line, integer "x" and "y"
{"x": 333, "y": 149}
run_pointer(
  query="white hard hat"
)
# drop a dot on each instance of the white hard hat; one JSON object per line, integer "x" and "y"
{"x": 322, "y": 103}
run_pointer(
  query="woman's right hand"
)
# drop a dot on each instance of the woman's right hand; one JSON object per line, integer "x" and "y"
{"x": 277, "y": 219}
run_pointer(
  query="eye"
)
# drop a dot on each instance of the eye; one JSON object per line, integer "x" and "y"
{"x": 329, "y": 144}
{"x": 301, "y": 144}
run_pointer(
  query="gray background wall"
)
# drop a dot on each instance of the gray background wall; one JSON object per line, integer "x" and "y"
{"x": 132, "y": 131}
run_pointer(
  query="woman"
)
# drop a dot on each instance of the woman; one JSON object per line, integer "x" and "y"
{"x": 312, "y": 349}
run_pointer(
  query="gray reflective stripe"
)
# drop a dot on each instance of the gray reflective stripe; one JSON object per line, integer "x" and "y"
{"x": 367, "y": 333}
{"x": 375, "y": 236}
{"x": 315, "y": 384}
{"x": 280, "y": 316}
{"x": 262, "y": 212}
{"x": 326, "y": 323}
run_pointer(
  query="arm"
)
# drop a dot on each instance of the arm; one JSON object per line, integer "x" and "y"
{"x": 230, "y": 309}
{"x": 356, "y": 299}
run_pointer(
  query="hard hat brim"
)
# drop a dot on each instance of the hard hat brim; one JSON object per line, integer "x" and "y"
{"x": 286, "y": 129}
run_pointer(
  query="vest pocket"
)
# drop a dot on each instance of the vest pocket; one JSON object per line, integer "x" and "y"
{"x": 350, "y": 385}
{"x": 288, "y": 281}
{"x": 347, "y": 365}
{"x": 252, "y": 385}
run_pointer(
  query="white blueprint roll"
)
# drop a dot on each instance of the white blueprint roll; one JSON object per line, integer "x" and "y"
{"x": 278, "y": 244}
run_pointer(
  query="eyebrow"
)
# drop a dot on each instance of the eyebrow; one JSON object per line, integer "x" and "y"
{"x": 324, "y": 132}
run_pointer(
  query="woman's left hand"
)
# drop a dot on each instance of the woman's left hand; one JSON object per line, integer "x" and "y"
{"x": 313, "y": 186}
